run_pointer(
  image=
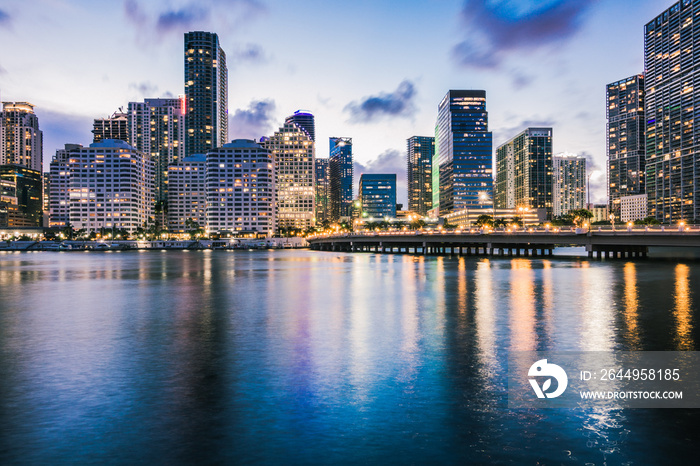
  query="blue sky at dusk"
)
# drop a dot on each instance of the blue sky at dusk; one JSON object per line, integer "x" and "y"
{"x": 371, "y": 70}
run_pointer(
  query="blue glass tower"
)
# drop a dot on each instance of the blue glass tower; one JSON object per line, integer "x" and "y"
{"x": 378, "y": 196}
{"x": 463, "y": 161}
{"x": 341, "y": 174}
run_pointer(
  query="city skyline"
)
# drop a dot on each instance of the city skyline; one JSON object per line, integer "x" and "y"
{"x": 553, "y": 76}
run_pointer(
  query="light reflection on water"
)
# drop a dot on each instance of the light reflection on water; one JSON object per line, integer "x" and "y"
{"x": 299, "y": 356}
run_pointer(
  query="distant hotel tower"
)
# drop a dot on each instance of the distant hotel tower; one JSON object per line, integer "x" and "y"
{"x": 187, "y": 193}
{"x": 113, "y": 127}
{"x": 157, "y": 128}
{"x": 293, "y": 154}
{"x": 21, "y": 140}
{"x": 463, "y": 161}
{"x": 421, "y": 150}
{"x": 524, "y": 171}
{"x": 625, "y": 140}
{"x": 341, "y": 175}
{"x": 671, "y": 100}
{"x": 569, "y": 183}
{"x": 322, "y": 190}
{"x": 206, "y": 93}
{"x": 305, "y": 120}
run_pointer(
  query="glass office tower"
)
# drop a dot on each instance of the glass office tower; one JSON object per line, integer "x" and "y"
{"x": 378, "y": 196}
{"x": 420, "y": 150}
{"x": 463, "y": 161}
{"x": 341, "y": 174}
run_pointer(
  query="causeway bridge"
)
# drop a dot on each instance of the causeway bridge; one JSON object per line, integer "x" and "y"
{"x": 608, "y": 243}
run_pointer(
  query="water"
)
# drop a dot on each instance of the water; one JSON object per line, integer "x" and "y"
{"x": 318, "y": 357}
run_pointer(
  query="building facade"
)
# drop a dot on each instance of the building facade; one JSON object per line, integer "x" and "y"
{"x": 633, "y": 207}
{"x": 463, "y": 161}
{"x": 377, "y": 196}
{"x": 341, "y": 177}
{"x": 59, "y": 197}
{"x": 110, "y": 186}
{"x": 206, "y": 93}
{"x": 157, "y": 127}
{"x": 670, "y": 99}
{"x": 524, "y": 171}
{"x": 420, "y": 150}
{"x": 21, "y": 140}
{"x": 293, "y": 153}
{"x": 187, "y": 193}
{"x": 625, "y": 139}
{"x": 240, "y": 186}
{"x": 304, "y": 119}
{"x": 113, "y": 127}
{"x": 21, "y": 196}
{"x": 323, "y": 190}
{"x": 569, "y": 183}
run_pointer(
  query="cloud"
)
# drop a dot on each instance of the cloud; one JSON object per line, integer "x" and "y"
{"x": 255, "y": 121}
{"x": 598, "y": 178}
{"x": 2, "y": 70}
{"x": 248, "y": 52}
{"x": 5, "y": 18}
{"x": 398, "y": 103}
{"x": 160, "y": 19}
{"x": 389, "y": 161}
{"x": 495, "y": 30}
{"x": 144, "y": 88}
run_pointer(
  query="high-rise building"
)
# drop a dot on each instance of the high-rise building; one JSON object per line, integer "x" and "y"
{"x": 59, "y": 197}
{"x": 625, "y": 140}
{"x": 21, "y": 140}
{"x": 421, "y": 150}
{"x": 463, "y": 161}
{"x": 294, "y": 153}
{"x": 569, "y": 187}
{"x": 206, "y": 93}
{"x": 187, "y": 193}
{"x": 240, "y": 185}
{"x": 20, "y": 196}
{"x": 524, "y": 171}
{"x": 378, "y": 196}
{"x": 671, "y": 100}
{"x": 113, "y": 127}
{"x": 110, "y": 186}
{"x": 305, "y": 120}
{"x": 157, "y": 128}
{"x": 341, "y": 175}
{"x": 633, "y": 207}
{"x": 322, "y": 190}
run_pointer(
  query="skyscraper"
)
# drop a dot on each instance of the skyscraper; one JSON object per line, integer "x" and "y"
{"x": 322, "y": 190}
{"x": 157, "y": 127}
{"x": 20, "y": 196}
{"x": 187, "y": 193}
{"x": 524, "y": 171}
{"x": 625, "y": 140}
{"x": 21, "y": 140}
{"x": 293, "y": 154}
{"x": 671, "y": 100}
{"x": 112, "y": 127}
{"x": 59, "y": 198}
{"x": 206, "y": 93}
{"x": 305, "y": 120}
{"x": 378, "y": 196}
{"x": 421, "y": 150}
{"x": 463, "y": 161}
{"x": 569, "y": 187}
{"x": 341, "y": 174}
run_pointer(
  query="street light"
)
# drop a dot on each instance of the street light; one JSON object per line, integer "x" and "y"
{"x": 612, "y": 221}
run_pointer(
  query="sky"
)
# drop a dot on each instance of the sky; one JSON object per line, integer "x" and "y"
{"x": 374, "y": 71}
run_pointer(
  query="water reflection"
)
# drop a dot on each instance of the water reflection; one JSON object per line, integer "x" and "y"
{"x": 683, "y": 309}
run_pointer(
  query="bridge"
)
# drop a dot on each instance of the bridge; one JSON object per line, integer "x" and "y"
{"x": 608, "y": 243}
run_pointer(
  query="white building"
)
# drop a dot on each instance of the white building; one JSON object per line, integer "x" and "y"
{"x": 633, "y": 207}
{"x": 569, "y": 184}
{"x": 21, "y": 141}
{"x": 157, "y": 127}
{"x": 293, "y": 154}
{"x": 59, "y": 199}
{"x": 240, "y": 182}
{"x": 187, "y": 193}
{"x": 110, "y": 185}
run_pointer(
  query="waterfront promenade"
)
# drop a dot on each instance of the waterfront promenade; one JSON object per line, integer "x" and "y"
{"x": 599, "y": 243}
